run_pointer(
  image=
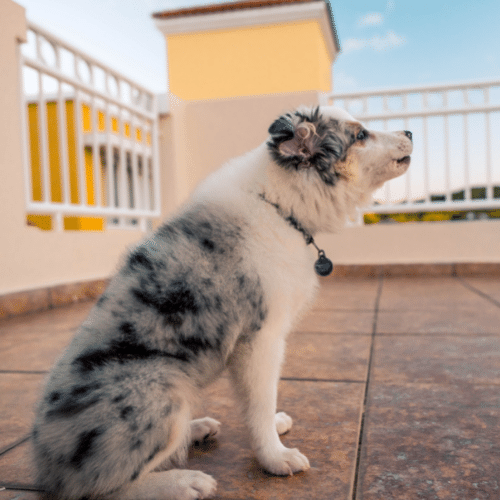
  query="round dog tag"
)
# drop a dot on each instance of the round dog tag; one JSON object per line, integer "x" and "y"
{"x": 323, "y": 265}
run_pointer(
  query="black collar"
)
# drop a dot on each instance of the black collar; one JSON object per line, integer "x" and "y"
{"x": 323, "y": 266}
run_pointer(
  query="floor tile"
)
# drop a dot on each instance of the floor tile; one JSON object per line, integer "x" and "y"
{"x": 347, "y": 293}
{"x": 16, "y": 467}
{"x": 431, "y": 442}
{"x": 401, "y": 294}
{"x": 436, "y": 359}
{"x": 326, "y": 423}
{"x": 329, "y": 321}
{"x": 327, "y": 357}
{"x": 33, "y": 342}
{"x": 19, "y": 394}
{"x": 459, "y": 321}
{"x": 488, "y": 286}
{"x": 326, "y": 420}
{"x": 61, "y": 318}
{"x": 36, "y": 351}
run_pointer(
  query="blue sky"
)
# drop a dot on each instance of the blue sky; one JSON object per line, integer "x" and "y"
{"x": 394, "y": 43}
{"x": 385, "y": 43}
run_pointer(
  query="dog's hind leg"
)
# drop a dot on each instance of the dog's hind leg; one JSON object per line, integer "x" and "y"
{"x": 255, "y": 370}
{"x": 283, "y": 422}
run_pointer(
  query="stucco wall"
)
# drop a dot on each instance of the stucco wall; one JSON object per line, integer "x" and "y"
{"x": 208, "y": 133}
{"x": 31, "y": 258}
{"x": 415, "y": 243}
{"x": 244, "y": 61}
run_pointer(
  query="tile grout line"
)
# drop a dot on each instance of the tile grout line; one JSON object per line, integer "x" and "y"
{"x": 367, "y": 386}
{"x": 15, "y": 444}
{"x": 473, "y": 289}
{"x": 330, "y": 380}
{"x": 24, "y": 372}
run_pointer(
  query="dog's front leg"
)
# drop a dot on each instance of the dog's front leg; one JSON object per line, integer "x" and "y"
{"x": 255, "y": 370}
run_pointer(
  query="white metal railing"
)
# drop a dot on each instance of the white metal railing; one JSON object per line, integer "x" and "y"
{"x": 456, "y": 132}
{"x": 90, "y": 137}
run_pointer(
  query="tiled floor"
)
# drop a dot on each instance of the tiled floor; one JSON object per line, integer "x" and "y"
{"x": 393, "y": 384}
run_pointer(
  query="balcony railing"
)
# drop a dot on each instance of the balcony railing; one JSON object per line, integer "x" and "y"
{"x": 456, "y": 131}
{"x": 90, "y": 140}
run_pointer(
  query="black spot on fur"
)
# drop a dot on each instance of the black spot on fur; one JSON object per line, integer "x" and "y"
{"x": 157, "y": 449}
{"x": 136, "y": 474}
{"x": 136, "y": 445}
{"x": 328, "y": 144}
{"x": 54, "y": 397}
{"x": 72, "y": 406}
{"x": 86, "y": 441}
{"x": 208, "y": 244}
{"x": 195, "y": 344}
{"x": 167, "y": 410}
{"x": 139, "y": 260}
{"x": 218, "y": 302}
{"x": 153, "y": 454}
{"x": 83, "y": 390}
{"x": 176, "y": 301}
{"x": 208, "y": 231}
{"x": 126, "y": 412}
{"x": 102, "y": 300}
{"x": 80, "y": 399}
{"x": 256, "y": 300}
{"x": 122, "y": 352}
{"x": 128, "y": 329}
{"x": 221, "y": 331}
{"x": 118, "y": 399}
{"x": 241, "y": 281}
{"x": 207, "y": 282}
{"x": 166, "y": 231}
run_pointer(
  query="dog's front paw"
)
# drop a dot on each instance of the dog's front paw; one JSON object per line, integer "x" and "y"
{"x": 283, "y": 422}
{"x": 284, "y": 461}
{"x": 203, "y": 429}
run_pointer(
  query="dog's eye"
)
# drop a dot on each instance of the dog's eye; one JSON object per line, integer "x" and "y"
{"x": 362, "y": 135}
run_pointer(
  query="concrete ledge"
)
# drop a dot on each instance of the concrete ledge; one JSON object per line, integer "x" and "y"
{"x": 41, "y": 299}
{"x": 421, "y": 242}
{"x": 414, "y": 270}
{"x": 15, "y": 304}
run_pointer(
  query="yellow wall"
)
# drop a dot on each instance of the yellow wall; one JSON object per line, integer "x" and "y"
{"x": 55, "y": 182}
{"x": 257, "y": 60}
{"x": 30, "y": 258}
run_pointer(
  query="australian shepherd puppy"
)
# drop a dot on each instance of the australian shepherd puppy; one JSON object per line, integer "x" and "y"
{"x": 218, "y": 286}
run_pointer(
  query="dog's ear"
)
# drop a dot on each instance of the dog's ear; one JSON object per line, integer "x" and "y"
{"x": 303, "y": 141}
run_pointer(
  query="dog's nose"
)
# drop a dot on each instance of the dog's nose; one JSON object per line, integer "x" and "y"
{"x": 408, "y": 134}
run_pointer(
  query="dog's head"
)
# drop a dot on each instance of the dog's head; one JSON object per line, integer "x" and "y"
{"x": 331, "y": 144}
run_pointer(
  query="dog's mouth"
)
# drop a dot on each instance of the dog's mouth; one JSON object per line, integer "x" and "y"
{"x": 405, "y": 161}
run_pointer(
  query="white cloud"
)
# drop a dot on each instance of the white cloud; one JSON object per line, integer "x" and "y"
{"x": 377, "y": 42}
{"x": 371, "y": 19}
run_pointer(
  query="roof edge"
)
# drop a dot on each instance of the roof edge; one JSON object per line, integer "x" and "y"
{"x": 223, "y": 7}
{"x": 253, "y": 13}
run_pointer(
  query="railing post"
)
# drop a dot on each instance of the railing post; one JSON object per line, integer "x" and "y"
{"x": 86, "y": 93}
